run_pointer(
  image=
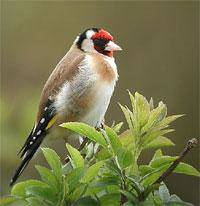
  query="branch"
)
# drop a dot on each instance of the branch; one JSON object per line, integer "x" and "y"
{"x": 190, "y": 144}
{"x": 123, "y": 199}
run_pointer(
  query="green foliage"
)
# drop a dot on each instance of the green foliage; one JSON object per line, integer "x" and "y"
{"x": 85, "y": 130}
{"x": 109, "y": 174}
{"x": 76, "y": 158}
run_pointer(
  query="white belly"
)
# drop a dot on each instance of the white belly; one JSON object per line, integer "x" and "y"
{"x": 101, "y": 100}
{"x": 86, "y": 85}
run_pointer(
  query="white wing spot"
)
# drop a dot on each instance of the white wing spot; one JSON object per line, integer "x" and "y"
{"x": 42, "y": 120}
{"x": 39, "y": 132}
{"x": 31, "y": 143}
{"x": 34, "y": 138}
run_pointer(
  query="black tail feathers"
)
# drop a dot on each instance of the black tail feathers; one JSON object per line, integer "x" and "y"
{"x": 27, "y": 156}
{"x": 34, "y": 139}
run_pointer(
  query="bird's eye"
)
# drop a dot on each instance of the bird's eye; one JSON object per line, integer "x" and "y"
{"x": 101, "y": 43}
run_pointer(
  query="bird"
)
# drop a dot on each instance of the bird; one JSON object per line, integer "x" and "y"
{"x": 78, "y": 90}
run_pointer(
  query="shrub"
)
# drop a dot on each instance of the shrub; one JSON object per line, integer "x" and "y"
{"x": 106, "y": 171}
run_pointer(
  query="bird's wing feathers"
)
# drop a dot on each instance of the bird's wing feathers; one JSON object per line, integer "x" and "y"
{"x": 64, "y": 71}
{"x": 40, "y": 130}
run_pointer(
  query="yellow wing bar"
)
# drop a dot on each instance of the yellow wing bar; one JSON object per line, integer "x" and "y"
{"x": 51, "y": 122}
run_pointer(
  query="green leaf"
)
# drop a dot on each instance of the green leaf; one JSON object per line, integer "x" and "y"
{"x": 113, "y": 139}
{"x": 112, "y": 167}
{"x": 42, "y": 192}
{"x": 87, "y": 131}
{"x": 11, "y": 201}
{"x": 77, "y": 193}
{"x": 103, "y": 154}
{"x": 92, "y": 172}
{"x": 146, "y": 203}
{"x": 151, "y": 104}
{"x": 127, "y": 114}
{"x": 142, "y": 109}
{"x": 90, "y": 150}
{"x": 166, "y": 121}
{"x": 19, "y": 189}
{"x": 129, "y": 203}
{"x": 76, "y": 158}
{"x": 135, "y": 183}
{"x": 145, "y": 169}
{"x": 66, "y": 168}
{"x": 175, "y": 198}
{"x": 86, "y": 201}
{"x": 110, "y": 200}
{"x": 117, "y": 127}
{"x": 154, "y": 134}
{"x": 54, "y": 161}
{"x": 124, "y": 158}
{"x": 130, "y": 196}
{"x": 156, "y": 115}
{"x": 156, "y": 199}
{"x": 127, "y": 140}
{"x": 74, "y": 177}
{"x": 158, "y": 153}
{"x": 186, "y": 169}
{"x": 33, "y": 201}
{"x": 113, "y": 189}
{"x": 105, "y": 181}
{"x": 132, "y": 98}
{"x": 164, "y": 193}
{"x": 47, "y": 176}
{"x": 159, "y": 142}
{"x": 174, "y": 203}
{"x": 18, "y": 202}
{"x": 164, "y": 160}
{"x": 154, "y": 175}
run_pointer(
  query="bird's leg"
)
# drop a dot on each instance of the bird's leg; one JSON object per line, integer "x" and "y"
{"x": 82, "y": 145}
{"x": 101, "y": 126}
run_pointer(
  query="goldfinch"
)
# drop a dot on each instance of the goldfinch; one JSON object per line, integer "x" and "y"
{"x": 79, "y": 89}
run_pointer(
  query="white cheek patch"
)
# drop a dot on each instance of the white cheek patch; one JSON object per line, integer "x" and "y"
{"x": 88, "y": 46}
{"x": 89, "y": 34}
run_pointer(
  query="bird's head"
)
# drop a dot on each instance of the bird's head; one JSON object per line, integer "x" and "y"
{"x": 97, "y": 40}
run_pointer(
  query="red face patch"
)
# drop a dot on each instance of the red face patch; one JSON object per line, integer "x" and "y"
{"x": 102, "y": 34}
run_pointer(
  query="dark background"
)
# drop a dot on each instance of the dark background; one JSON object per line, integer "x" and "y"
{"x": 159, "y": 59}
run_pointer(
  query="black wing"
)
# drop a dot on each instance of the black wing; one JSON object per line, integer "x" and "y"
{"x": 35, "y": 138}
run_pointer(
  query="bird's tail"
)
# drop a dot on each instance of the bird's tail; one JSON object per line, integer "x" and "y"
{"x": 28, "y": 150}
{"x": 35, "y": 138}
{"x": 27, "y": 155}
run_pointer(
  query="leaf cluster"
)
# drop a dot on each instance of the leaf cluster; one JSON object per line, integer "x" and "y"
{"x": 106, "y": 172}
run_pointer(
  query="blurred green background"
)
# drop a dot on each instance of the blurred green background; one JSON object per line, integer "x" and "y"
{"x": 159, "y": 59}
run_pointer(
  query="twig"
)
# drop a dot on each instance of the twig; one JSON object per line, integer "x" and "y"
{"x": 190, "y": 144}
{"x": 123, "y": 199}
{"x": 82, "y": 145}
{"x": 123, "y": 187}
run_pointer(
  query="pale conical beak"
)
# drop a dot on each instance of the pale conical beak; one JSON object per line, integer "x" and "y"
{"x": 111, "y": 46}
